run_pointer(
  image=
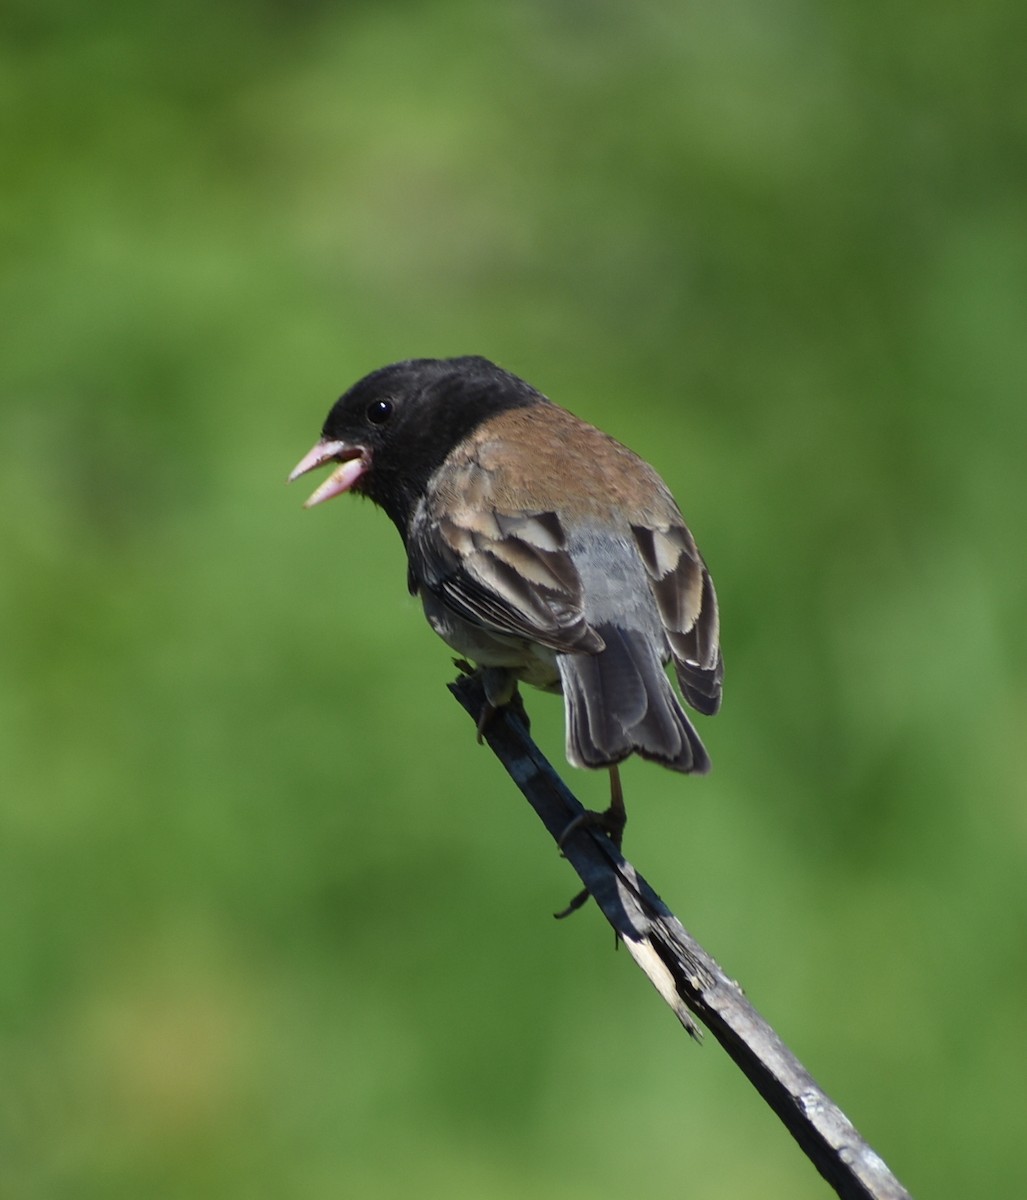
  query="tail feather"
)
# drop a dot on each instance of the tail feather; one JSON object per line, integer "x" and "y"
{"x": 620, "y": 702}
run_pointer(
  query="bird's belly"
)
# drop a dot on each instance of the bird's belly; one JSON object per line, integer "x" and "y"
{"x": 526, "y": 661}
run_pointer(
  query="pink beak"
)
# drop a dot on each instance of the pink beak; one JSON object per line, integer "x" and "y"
{"x": 353, "y": 462}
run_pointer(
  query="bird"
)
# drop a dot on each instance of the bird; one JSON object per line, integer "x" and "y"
{"x": 542, "y": 550}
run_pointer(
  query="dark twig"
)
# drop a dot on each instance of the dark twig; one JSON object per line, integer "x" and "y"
{"x": 688, "y": 979}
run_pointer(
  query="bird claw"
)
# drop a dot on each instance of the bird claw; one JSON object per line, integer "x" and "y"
{"x": 515, "y": 704}
{"x": 610, "y": 821}
{"x": 574, "y": 905}
{"x": 487, "y": 713}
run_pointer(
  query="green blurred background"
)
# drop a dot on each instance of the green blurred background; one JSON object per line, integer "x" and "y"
{"x": 272, "y": 924}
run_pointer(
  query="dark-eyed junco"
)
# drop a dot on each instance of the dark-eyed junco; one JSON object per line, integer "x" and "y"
{"x": 542, "y": 550}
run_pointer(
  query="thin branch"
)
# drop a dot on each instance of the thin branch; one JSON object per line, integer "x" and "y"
{"x": 687, "y": 978}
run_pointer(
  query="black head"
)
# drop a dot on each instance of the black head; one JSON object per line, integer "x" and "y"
{"x": 396, "y": 426}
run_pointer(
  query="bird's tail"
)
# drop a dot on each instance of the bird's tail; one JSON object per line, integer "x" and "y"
{"x": 620, "y": 702}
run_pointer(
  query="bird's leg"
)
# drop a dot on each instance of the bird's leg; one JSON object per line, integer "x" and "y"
{"x": 515, "y": 704}
{"x": 616, "y": 816}
{"x": 611, "y": 822}
{"x": 574, "y": 905}
{"x": 500, "y": 692}
{"x": 488, "y": 709}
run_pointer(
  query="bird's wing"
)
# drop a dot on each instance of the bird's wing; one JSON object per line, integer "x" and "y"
{"x": 687, "y": 603}
{"x": 509, "y": 572}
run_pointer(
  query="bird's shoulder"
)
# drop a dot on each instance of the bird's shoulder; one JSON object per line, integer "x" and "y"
{"x": 544, "y": 459}
{"x": 489, "y": 537}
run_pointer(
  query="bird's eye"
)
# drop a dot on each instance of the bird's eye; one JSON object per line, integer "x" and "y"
{"x": 379, "y": 411}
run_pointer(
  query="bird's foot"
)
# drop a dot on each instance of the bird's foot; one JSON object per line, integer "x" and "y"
{"x": 515, "y": 703}
{"x": 574, "y": 905}
{"x": 611, "y": 822}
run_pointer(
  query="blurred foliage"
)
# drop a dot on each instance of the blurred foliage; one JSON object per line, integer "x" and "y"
{"x": 272, "y": 924}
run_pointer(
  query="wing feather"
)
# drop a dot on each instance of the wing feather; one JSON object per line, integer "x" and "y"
{"x": 508, "y": 572}
{"x": 687, "y": 603}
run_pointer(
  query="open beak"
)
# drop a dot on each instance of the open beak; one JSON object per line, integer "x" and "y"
{"x": 353, "y": 462}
